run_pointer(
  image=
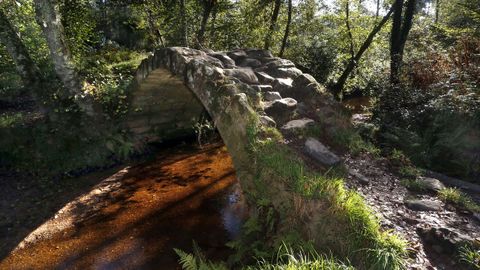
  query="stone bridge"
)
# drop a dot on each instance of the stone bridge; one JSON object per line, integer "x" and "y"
{"x": 174, "y": 86}
{"x": 243, "y": 91}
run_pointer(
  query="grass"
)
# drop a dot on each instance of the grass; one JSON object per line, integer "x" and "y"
{"x": 414, "y": 185}
{"x": 470, "y": 257}
{"x": 10, "y": 119}
{"x": 350, "y": 229}
{"x": 459, "y": 199}
{"x": 286, "y": 258}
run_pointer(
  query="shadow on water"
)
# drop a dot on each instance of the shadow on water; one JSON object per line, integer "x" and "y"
{"x": 134, "y": 219}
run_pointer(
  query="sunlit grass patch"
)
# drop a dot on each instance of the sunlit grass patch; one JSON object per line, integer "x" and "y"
{"x": 10, "y": 119}
{"x": 456, "y": 197}
{"x": 351, "y": 229}
{"x": 470, "y": 257}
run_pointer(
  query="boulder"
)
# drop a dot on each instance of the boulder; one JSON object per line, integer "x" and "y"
{"x": 424, "y": 205}
{"x": 226, "y": 60}
{"x": 245, "y": 75}
{"x": 304, "y": 88}
{"x": 360, "y": 177}
{"x": 282, "y": 85}
{"x": 290, "y": 72}
{"x": 264, "y": 78}
{"x": 235, "y": 55}
{"x": 271, "y": 96}
{"x": 446, "y": 240}
{"x": 267, "y": 121}
{"x": 262, "y": 88}
{"x": 320, "y": 152}
{"x": 281, "y": 110}
{"x": 431, "y": 184}
{"x": 279, "y": 63}
{"x": 249, "y": 62}
{"x": 298, "y": 124}
{"x": 258, "y": 53}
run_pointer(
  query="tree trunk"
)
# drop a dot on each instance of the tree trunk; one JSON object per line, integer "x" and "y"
{"x": 399, "y": 35}
{"x": 183, "y": 16}
{"x": 437, "y": 10}
{"x": 349, "y": 30}
{"x": 49, "y": 19}
{"x": 338, "y": 87}
{"x": 287, "y": 28}
{"x": 378, "y": 9}
{"x": 207, "y": 9}
{"x": 395, "y": 57}
{"x": 273, "y": 24}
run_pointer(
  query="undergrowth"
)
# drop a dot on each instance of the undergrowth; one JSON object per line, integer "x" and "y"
{"x": 348, "y": 228}
{"x": 459, "y": 199}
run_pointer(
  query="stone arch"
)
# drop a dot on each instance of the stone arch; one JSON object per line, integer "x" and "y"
{"x": 234, "y": 88}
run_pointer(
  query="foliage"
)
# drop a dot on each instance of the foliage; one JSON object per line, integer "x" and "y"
{"x": 346, "y": 212}
{"x": 470, "y": 257}
{"x": 414, "y": 185}
{"x": 459, "y": 199}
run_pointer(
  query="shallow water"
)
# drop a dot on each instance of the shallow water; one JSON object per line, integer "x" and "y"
{"x": 136, "y": 218}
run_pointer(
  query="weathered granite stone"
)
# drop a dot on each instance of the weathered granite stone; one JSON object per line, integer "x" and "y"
{"x": 447, "y": 240}
{"x": 281, "y": 110}
{"x": 298, "y": 124}
{"x": 360, "y": 177}
{"x": 245, "y": 75}
{"x": 423, "y": 205}
{"x": 249, "y": 62}
{"x": 431, "y": 184}
{"x": 282, "y": 85}
{"x": 236, "y": 54}
{"x": 290, "y": 72}
{"x": 263, "y": 88}
{"x": 279, "y": 63}
{"x": 258, "y": 53}
{"x": 320, "y": 152}
{"x": 271, "y": 96}
{"x": 304, "y": 88}
{"x": 264, "y": 78}
{"x": 267, "y": 121}
{"x": 226, "y": 60}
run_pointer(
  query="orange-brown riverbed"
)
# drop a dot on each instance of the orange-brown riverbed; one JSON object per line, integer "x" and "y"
{"x": 134, "y": 219}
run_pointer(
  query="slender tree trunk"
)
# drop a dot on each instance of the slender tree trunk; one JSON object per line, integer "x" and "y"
{"x": 287, "y": 28}
{"x": 378, "y": 9}
{"x": 399, "y": 35}
{"x": 273, "y": 24}
{"x": 207, "y": 10}
{"x": 338, "y": 87}
{"x": 26, "y": 67}
{"x": 183, "y": 16}
{"x": 157, "y": 35}
{"x": 49, "y": 19}
{"x": 395, "y": 57}
{"x": 349, "y": 30}
{"x": 437, "y": 10}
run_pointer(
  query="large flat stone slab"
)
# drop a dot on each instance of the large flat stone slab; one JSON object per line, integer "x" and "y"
{"x": 298, "y": 124}
{"x": 320, "y": 152}
{"x": 424, "y": 205}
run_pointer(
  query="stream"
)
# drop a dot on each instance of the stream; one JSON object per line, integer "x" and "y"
{"x": 137, "y": 216}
